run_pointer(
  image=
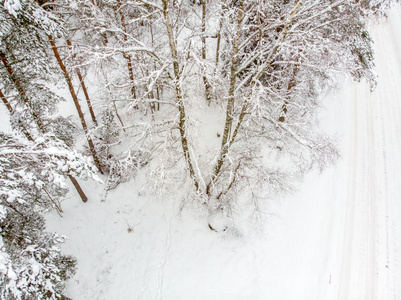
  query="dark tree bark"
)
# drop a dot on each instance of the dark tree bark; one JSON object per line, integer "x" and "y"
{"x": 5, "y": 101}
{"x": 118, "y": 115}
{"x": 205, "y": 82}
{"x": 127, "y": 56}
{"x": 82, "y": 82}
{"x": 78, "y": 188}
{"x": 154, "y": 67}
{"x": 77, "y": 105}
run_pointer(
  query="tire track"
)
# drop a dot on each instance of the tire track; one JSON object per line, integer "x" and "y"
{"x": 371, "y": 268}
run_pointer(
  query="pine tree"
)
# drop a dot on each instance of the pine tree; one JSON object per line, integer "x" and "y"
{"x": 31, "y": 181}
{"x": 26, "y": 70}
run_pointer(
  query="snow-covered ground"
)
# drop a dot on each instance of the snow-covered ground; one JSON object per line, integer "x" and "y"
{"x": 371, "y": 248}
{"x": 339, "y": 237}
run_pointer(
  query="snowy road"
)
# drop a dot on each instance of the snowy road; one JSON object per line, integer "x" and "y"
{"x": 370, "y": 266}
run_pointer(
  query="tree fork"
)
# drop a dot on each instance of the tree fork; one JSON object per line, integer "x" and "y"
{"x": 226, "y": 143}
{"x": 81, "y": 80}
{"x": 224, "y": 150}
{"x": 233, "y": 79}
{"x": 230, "y": 102}
{"x": 77, "y": 105}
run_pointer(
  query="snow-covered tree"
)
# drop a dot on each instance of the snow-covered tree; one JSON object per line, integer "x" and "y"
{"x": 262, "y": 66}
{"x": 29, "y": 57}
{"x": 275, "y": 61}
{"x": 26, "y": 70}
{"x": 32, "y": 178}
{"x": 104, "y": 40}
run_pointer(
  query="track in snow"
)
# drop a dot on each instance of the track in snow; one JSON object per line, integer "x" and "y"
{"x": 371, "y": 260}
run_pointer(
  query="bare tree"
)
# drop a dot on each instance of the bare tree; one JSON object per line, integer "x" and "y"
{"x": 273, "y": 61}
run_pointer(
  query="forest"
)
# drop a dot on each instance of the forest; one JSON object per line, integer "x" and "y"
{"x": 216, "y": 98}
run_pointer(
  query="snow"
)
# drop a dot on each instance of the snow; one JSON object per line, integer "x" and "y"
{"x": 35, "y": 267}
{"x": 13, "y": 6}
{"x": 338, "y": 237}
{"x": 11, "y": 274}
{"x": 218, "y": 220}
{"x": 4, "y": 117}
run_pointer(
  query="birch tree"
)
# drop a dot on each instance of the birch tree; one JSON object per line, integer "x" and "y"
{"x": 262, "y": 66}
{"x": 283, "y": 57}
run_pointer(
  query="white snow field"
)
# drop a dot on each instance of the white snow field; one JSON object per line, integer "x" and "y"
{"x": 339, "y": 237}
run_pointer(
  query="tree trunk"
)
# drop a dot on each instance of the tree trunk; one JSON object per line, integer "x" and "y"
{"x": 158, "y": 97}
{"x": 77, "y": 105}
{"x": 88, "y": 101}
{"x": 180, "y": 103}
{"x": 218, "y": 45}
{"x": 118, "y": 115}
{"x": 78, "y": 188}
{"x": 21, "y": 91}
{"x": 205, "y": 81}
{"x": 228, "y": 141}
{"x": 5, "y": 101}
{"x": 10, "y": 109}
{"x": 223, "y": 8}
{"x": 230, "y": 103}
{"x": 55, "y": 203}
{"x": 154, "y": 66}
{"x": 29, "y": 137}
{"x": 127, "y": 56}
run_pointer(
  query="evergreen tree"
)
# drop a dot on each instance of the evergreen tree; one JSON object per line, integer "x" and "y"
{"x": 26, "y": 71}
{"x": 31, "y": 182}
